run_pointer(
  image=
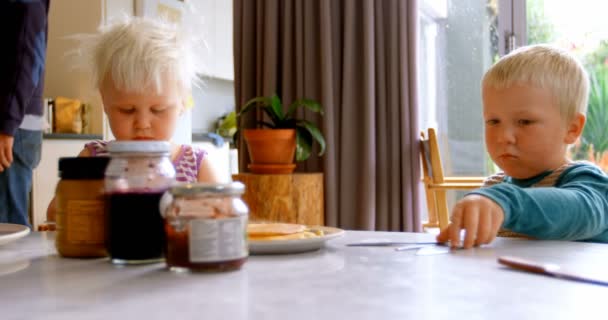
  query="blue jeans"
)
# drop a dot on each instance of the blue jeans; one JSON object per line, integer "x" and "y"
{"x": 16, "y": 181}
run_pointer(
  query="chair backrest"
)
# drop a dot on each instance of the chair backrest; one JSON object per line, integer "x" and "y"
{"x": 426, "y": 156}
{"x": 432, "y": 166}
{"x": 436, "y": 184}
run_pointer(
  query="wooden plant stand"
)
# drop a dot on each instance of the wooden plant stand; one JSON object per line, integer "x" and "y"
{"x": 290, "y": 198}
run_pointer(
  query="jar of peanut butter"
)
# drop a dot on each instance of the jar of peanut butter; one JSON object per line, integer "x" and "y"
{"x": 80, "y": 207}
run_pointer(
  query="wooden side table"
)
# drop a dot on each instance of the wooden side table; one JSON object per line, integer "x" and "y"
{"x": 290, "y": 198}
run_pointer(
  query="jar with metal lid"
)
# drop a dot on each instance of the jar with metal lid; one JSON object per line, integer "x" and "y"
{"x": 138, "y": 174}
{"x": 206, "y": 227}
{"x": 80, "y": 207}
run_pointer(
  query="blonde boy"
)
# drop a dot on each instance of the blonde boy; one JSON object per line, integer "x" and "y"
{"x": 534, "y": 104}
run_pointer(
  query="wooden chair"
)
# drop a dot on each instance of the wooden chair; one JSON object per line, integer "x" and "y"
{"x": 436, "y": 184}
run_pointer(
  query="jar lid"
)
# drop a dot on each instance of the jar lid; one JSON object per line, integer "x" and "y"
{"x": 139, "y": 147}
{"x": 81, "y": 168}
{"x": 231, "y": 188}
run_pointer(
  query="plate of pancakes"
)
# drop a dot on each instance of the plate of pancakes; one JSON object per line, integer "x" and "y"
{"x": 281, "y": 238}
{"x": 10, "y": 232}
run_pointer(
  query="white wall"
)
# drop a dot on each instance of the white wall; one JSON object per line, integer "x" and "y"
{"x": 214, "y": 99}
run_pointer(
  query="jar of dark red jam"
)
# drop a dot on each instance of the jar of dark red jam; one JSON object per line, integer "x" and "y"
{"x": 138, "y": 174}
{"x": 206, "y": 227}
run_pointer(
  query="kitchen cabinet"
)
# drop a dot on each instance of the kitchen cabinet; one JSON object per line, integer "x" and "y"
{"x": 45, "y": 176}
{"x": 209, "y": 19}
{"x": 216, "y": 30}
{"x": 68, "y": 18}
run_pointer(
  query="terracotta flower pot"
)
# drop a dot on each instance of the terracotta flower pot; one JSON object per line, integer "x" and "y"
{"x": 271, "y": 150}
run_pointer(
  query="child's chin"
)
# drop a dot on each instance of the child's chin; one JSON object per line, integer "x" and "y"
{"x": 521, "y": 175}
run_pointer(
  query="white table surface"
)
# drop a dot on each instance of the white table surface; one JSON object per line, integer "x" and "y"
{"x": 336, "y": 282}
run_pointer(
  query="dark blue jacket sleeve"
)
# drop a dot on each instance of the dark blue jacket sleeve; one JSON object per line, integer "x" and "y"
{"x": 23, "y": 30}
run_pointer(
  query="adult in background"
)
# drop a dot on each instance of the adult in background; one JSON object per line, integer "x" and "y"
{"x": 23, "y": 30}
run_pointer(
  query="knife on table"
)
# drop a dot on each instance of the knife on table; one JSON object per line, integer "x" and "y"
{"x": 549, "y": 269}
{"x": 389, "y": 243}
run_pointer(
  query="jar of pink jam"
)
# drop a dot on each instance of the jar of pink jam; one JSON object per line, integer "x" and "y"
{"x": 205, "y": 226}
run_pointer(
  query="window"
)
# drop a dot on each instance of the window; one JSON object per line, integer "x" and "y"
{"x": 458, "y": 41}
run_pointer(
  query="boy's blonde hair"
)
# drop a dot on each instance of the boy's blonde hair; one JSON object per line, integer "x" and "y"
{"x": 545, "y": 67}
{"x": 139, "y": 53}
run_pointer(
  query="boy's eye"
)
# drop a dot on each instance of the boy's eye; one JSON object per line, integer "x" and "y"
{"x": 492, "y": 122}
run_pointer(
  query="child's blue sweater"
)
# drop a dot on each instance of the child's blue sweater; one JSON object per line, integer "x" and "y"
{"x": 576, "y": 208}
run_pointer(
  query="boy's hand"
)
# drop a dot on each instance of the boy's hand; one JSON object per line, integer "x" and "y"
{"x": 479, "y": 216}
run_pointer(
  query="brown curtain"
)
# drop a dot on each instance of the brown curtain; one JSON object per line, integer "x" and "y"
{"x": 358, "y": 58}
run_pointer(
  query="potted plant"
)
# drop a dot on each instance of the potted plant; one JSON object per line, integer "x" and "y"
{"x": 272, "y": 146}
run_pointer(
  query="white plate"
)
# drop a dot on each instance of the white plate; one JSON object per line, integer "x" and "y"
{"x": 295, "y": 245}
{"x": 10, "y": 232}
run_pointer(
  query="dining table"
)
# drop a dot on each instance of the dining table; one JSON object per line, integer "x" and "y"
{"x": 337, "y": 281}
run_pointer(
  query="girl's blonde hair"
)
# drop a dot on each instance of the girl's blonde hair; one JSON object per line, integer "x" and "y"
{"x": 545, "y": 67}
{"x": 139, "y": 53}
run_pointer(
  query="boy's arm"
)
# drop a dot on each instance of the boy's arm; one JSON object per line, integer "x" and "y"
{"x": 576, "y": 209}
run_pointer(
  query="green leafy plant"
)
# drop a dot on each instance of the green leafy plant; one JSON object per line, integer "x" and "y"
{"x": 226, "y": 125}
{"x": 306, "y": 131}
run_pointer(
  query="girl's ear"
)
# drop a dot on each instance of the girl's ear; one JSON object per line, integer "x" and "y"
{"x": 575, "y": 128}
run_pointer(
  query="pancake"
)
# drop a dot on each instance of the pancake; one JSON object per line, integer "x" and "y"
{"x": 273, "y": 229}
{"x": 297, "y": 235}
{"x": 280, "y": 231}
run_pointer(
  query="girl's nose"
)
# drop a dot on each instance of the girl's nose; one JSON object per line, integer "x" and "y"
{"x": 142, "y": 120}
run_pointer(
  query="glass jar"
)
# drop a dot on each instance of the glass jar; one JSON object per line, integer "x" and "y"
{"x": 138, "y": 174}
{"x": 80, "y": 207}
{"x": 206, "y": 227}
